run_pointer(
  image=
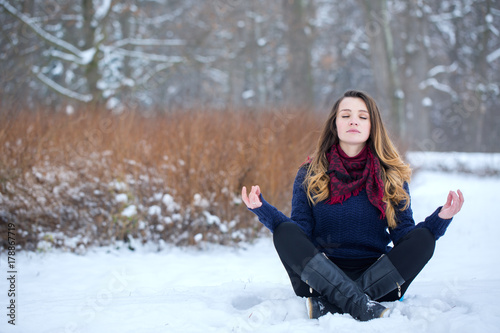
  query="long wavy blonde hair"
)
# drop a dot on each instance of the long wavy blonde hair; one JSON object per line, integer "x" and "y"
{"x": 394, "y": 172}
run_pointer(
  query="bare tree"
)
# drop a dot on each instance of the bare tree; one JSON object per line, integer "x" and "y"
{"x": 384, "y": 61}
{"x": 300, "y": 38}
{"x": 88, "y": 51}
{"x": 433, "y": 66}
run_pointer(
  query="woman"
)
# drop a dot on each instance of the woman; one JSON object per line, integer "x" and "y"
{"x": 350, "y": 200}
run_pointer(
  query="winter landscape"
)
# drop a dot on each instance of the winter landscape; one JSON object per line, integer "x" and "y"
{"x": 245, "y": 289}
{"x": 127, "y": 129}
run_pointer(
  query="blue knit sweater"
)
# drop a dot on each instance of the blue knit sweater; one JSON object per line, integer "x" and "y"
{"x": 352, "y": 229}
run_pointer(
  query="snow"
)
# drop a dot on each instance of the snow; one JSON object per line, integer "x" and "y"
{"x": 148, "y": 56}
{"x": 70, "y": 110}
{"x": 261, "y": 42}
{"x": 154, "y": 210}
{"x": 130, "y": 211}
{"x": 443, "y": 69}
{"x": 224, "y": 289}
{"x": 427, "y": 102}
{"x": 62, "y": 90}
{"x": 477, "y": 163}
{"x": 38, "y": 30}
{"x": 211, "y": 219}
{"x": 122, "y": 197}
{"x": 199, "y": 201}
{"x": 431, "y": 82}
{"x": 493, "y": 55}
{"x": 198, "y": 237}
{"x": 169, "y": 203}
{"x": 87, "y": 56}
{"x": 445, "y": 27}
{"x": 399, "y": 94}
{"x": 82, "y": 57}
{"x": 118, "y": 186}
{"x": 148, "y": 42}
{"x": 112, "y": 103}
{"x": 248, "y": 94}
{"x": 102, "y": 10}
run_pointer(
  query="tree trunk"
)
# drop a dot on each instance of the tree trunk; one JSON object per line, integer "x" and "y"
{"x": 299, "y": 54}
{"x": 416, "y": 69}
{"x": 92, "y": 74}
{"x": 384, "y": 64}
{"x": 482, "y": 70}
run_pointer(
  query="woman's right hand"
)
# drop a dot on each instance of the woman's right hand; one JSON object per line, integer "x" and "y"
{"x": 252, "y": 200}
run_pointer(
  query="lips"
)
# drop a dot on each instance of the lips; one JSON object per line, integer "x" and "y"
{"x": 353, "y": 131}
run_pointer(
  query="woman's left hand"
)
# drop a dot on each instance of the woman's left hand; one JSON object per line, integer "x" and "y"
{"x": 252, "y": 201}
{"x": 452, "y": 206}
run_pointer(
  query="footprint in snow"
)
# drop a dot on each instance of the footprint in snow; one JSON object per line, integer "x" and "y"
{"x": 245, "y": 302}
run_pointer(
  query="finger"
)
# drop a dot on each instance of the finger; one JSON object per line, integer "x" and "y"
{"x": 257, "y": 187}
{"x": 459, "y": 201}
{"x": 461, "y": 198}
{"x": 455, "y": 203}
{"x": 254, "y": 198}
{"x": 244, "y": 196}
{"x": 448, "y": 200}
{"x": 256, "y": 191}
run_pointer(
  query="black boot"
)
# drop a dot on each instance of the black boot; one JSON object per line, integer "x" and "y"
{"x": 331, "y": 282}
{"x": 380, "y": 279}
{"x": 319, "y": 306}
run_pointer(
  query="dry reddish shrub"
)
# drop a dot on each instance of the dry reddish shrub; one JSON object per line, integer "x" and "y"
{"x": 60, "y": 174}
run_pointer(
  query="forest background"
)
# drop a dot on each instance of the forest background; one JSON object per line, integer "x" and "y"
{"x": 125, "y": 120}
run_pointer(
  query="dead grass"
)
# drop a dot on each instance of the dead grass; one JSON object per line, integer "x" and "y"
{"x": 57, "y": 172}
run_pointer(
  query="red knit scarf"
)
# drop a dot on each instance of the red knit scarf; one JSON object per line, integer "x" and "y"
{"x": 350, "y": 175}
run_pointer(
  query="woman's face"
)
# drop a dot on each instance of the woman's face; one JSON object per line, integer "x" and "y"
{"x": 353, "y": 124}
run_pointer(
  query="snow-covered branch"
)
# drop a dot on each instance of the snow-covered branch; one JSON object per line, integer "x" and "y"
{"x": 165, "y": 18}
{"x": 84, "y": 59}
{"x": 103, "y": 10}
{"x": 149, "y": 56}
{"x": 442, "y": 69}
{"x": 431, "y": 82}
{"x": 149, "y": 42}
{"x": 493, "y": 55}
{"x": 39, "y": 31}
{"x": 158, "y": 68}
{"x": 204, "y": 59}
{"x": 62, "y": 90}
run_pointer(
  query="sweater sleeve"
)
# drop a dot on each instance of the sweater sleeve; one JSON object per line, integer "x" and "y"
{"x": 301, "y": 209}
{"x": 406, "y": 223}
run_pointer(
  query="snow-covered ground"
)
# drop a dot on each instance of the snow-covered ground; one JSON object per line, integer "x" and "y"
{"x": 224, "y": 289}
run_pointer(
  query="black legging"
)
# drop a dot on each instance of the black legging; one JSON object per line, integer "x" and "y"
{"x": 409, "y": 256}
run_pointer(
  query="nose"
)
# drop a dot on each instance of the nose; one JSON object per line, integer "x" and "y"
{"x": 353, "y": 122}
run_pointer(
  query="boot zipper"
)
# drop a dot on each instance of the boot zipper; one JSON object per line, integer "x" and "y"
{"x": 310, "y": 288}
{"x": 399, "y": 290}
